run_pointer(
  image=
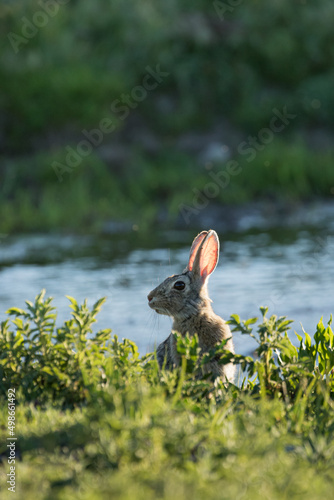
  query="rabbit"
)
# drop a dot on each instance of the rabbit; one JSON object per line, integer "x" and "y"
{"x": 185, "y": 298}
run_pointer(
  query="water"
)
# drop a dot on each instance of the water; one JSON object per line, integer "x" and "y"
{"x": 291, "y": 271}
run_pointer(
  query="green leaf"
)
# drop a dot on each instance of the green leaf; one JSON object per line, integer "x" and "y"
{"x": 15, "y": 311}
{"x": 264, "y": 310}
{"x": 250, "y": 321}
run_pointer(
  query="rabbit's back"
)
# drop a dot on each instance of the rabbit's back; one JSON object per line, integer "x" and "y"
{"x": 211, "y": 334}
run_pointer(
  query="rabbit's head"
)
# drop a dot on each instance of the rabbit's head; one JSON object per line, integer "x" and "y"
{"x": 183, "y": 295}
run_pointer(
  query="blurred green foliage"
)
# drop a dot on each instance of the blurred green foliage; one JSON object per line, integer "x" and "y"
{"x": 32, "y": 199}
{"x": 261, "y": 55}
{"x": 94, "y": 420}
{"x": 62, "y": 72}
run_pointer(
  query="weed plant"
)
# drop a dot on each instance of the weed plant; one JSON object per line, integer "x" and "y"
{"x": 96, "y": 420}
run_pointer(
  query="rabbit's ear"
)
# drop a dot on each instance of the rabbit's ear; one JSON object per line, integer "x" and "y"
{"x": 207, "y": 255}
{"x": 194, "y": 247}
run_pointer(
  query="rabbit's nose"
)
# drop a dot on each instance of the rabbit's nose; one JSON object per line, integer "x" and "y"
{"x": 150, "y": 297}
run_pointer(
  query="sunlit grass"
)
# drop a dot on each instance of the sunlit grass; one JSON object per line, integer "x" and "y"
{"x": 94, "y": 420}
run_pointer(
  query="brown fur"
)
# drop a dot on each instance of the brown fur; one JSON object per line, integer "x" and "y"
{"x": 191, "y": 307}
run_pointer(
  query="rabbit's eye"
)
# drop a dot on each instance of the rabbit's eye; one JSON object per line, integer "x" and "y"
{"x": 179, "y": 285}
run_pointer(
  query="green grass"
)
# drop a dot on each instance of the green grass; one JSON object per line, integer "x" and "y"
{"x": 94, "y": 420}
{"x": 237, "y": 68}
{"x": 240, "y": 67}
{"x": 33, "y": 199}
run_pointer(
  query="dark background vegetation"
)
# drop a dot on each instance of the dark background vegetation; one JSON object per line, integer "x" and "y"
{"x": 229, "y": 67}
